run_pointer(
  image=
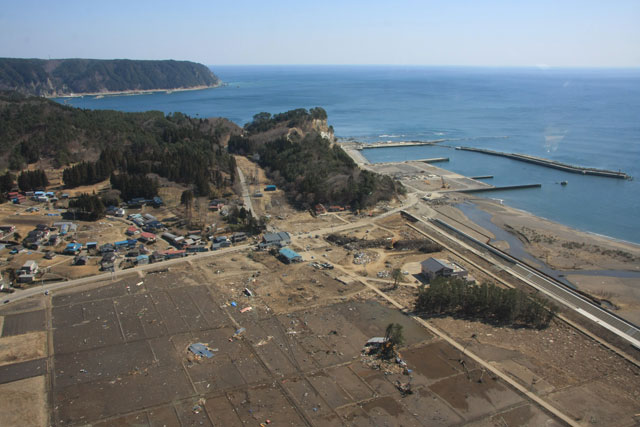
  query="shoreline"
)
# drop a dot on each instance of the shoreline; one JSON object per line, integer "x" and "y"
{"x": 500, "y": 202}
{"x": 355, "y": 155}
{"x": 565, "y": 250}
{"x": 568, "y": 229}
{"x": 133, "y": 92}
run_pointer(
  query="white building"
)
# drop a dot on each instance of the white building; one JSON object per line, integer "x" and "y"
{"x": 29, "y": 267}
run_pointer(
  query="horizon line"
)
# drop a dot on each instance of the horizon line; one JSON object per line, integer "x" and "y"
{"x": 534, "y": 66}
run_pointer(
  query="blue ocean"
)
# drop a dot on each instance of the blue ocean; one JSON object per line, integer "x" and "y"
{"x": 586, "y": 117}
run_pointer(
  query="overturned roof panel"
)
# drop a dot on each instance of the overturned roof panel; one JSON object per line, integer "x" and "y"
{"x": 200, "y": 349}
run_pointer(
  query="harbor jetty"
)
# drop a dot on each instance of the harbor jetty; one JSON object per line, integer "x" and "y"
{"x": 498, "y": 188}
{"x": 434, "y": 160}
{"x": 551, "y": 163}
{"x": 388, "y": 144}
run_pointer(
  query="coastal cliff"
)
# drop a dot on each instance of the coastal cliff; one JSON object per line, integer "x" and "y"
{"x": 64, "y": 77}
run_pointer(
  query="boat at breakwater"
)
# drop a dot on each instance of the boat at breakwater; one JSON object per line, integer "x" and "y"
{"x": 551, "y": 163}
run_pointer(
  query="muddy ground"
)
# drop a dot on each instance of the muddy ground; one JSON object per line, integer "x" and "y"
{"x": 121, "y": 348}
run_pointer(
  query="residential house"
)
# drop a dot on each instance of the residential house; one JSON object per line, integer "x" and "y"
{"x": 434, "y": 267}
{"x": 239, "y": 237}
{"x": 29, "y": 267}
{"x": 142, "y": 259}
{"x": 108, "y": 261}
{"x": 146, "y": 237}
{"x": 80, "y": 260}
{"x": 73, "y": 248}
{"x": 280, "y": 238}
{"x": 289, "y": 256}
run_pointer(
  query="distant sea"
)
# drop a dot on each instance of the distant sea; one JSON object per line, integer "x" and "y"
{"x": 587, "y": 117}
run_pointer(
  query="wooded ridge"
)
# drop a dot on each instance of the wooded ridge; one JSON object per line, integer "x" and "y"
{"x": 60, "y": 77}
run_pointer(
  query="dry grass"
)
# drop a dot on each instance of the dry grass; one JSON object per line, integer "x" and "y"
{"x": 24, "y": 403}
{"x": 21, "y": 348}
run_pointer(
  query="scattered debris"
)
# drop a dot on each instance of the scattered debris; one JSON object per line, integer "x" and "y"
{"x": 247, "y": 292}
{"x": 360, "y": 258}
{"x": 263, "y": 342}
{"x": 198, "y": 407}
{"x": 200, "y": 350}
{"x": 244, "y": 310}
{"x": 405, "y": 388}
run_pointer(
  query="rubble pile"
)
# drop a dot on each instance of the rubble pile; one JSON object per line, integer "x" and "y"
{"x": 363, "y": 258}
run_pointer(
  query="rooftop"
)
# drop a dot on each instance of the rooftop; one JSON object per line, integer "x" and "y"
{"x": 289, "y": 254}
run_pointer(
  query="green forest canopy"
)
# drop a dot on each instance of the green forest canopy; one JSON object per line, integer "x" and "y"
{"x": 488, "y": 302}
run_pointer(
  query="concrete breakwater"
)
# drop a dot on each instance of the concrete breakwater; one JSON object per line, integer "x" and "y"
{"x": 500, "y": 188}
{"x": 551, "y": 163}
{"x": 387, "y": 144}
{"x": 434, "y": 160}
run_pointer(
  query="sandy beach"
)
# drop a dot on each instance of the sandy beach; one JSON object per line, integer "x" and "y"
{"x": 601, "y": 260}
{"x": 134, "y": 92}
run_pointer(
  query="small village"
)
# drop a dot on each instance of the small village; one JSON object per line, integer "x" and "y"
{"x": 48, "y": 251}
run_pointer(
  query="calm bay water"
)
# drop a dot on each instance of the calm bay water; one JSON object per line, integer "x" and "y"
{"x": 583, "y": 117}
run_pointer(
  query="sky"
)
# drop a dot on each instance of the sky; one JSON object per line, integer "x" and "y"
{"x": 554, "y": 33}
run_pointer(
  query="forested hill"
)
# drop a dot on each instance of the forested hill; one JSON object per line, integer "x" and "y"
{"x": 33, "y": 128}
{"x": 58, "y": 77}
{"x": 296, "y": 149}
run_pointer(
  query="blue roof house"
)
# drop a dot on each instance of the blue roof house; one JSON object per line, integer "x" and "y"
{"x": 73, "y": 248}
{"x": 289, "y": 256}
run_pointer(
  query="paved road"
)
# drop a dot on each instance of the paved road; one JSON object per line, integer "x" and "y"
{"x": 245, "y": 194}
{"x": 38, "y": 290}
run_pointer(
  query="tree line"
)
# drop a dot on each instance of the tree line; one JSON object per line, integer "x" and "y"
{"x": 134, "y": 186}
{"x": 87, "y": 207}
{"x": 487, "y": 302}
{"x": 264, "y": 121}
{"x": 35, "y": 128}
{"x": 200, "y": 163}
{"x": 33, "y": 180}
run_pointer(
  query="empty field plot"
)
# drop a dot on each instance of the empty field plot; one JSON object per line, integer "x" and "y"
{"x": 24, "y": 403}
{"x": 266, "y": 402}
{"x": 20, "y": 323}
{"x": 480, "y": 397}
{"x": 21, "y": 348}
{"x": 119, "y": 394}
{"x": 22, "y": 370}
